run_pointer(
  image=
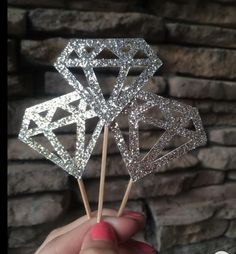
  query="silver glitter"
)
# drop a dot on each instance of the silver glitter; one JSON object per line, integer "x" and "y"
{"x": 78, "y": 113}
{"x": 175, "y": 123}
{"x": 83, "y": 54}
{"x": 124, "y": 50}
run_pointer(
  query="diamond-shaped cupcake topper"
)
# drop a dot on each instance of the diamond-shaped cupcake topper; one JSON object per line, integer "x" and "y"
{"x": 42, "y": 117}
{"x": 85, "y": 55}
{"x": 177, "y": 118}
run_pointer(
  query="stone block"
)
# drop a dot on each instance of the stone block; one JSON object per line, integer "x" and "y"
{"x": 85, "y": 5}
{"x": 16, "y": 21}
{"x": 223, "y": 136}
{"x": 101, "y": 24}
{"x": 217, "y": 157}
{"x": 34, "y": 210}
{"x": 151, "y": 186}
{"x": 208, "y": 12}
{"x": 35, "y": 177}
{"x": 183, "y": 87}
{"x": 19, "y": 85}
{"x": 204, "y": 62}
{"x": 231, "y": 232}
{"x": 231, "y": 175}
{"x": 169, "y": 236}
{"x": 194, "y": 206}
{"x": 201, "y": 34}
{"x": 207, "y": 247}
{"x": 11, "y": 56}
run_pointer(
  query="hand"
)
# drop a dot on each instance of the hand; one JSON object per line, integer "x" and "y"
{"x": 111, "y": 236}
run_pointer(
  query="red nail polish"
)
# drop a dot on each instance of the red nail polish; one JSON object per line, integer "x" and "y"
{"x": 146, "y": 248}
{"x": 103, "y": 232}
{"x": 133, "y": 214}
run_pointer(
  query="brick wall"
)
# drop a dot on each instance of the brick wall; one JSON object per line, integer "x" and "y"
{"x": 191, "y": 205}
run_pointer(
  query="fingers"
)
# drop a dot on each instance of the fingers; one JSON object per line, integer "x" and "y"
{"x": 128, "y": 225}
{"x": 62, "y": 230}
{"x": 138, "y": 247}
{"x": 125, "y": 227}
{"x": 76, "y": 223}
{"x": 101, "y": 239}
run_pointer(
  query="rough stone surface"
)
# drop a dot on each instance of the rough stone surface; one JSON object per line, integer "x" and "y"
{"x": 19, "y": 85}
{"x": 45, "y": 52}
{"x": 223, "y": 136}
{"x": 205, "y": 106}
{"x": 116, "y": 167}
{"x": 169, "y": 236}
{"x": 208, "y": 177}
{"x": 202, "y": 62}
{"x": 22, "y": 250}
{"x": 42, "y": 52}
{"x": 104, "y": 24}
{"x": 206, "y": 12}
{"x": 201, "y": 34}
{"x": 16, "y": 21}
{"x": 56, "y": 85}
{"x": 228, "y": 209}
{"x": 183, "y": 87}
{"x": 85, "y": 5}
{"x": 11, "y": 56}
{"x": 158, "y": 185}
{"x": 194, "y": 206}
{"x": 29, "y": 237}
{"x": 174, "y": 211}
{"x": 231, "y": 175}
{"x": 221, "y": 158}
{"x": 207, "y": 247}
{"x": 31, "y": 178}
{"x": 211, "y": 119}
{"x": 231, "y": 232}
{"x": 31, "y": 210}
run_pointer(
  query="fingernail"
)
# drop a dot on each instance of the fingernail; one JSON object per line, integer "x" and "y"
{"x": 103, "y": 232}
{"x": 133, "y": 214}
{"x": 146, "y": 248}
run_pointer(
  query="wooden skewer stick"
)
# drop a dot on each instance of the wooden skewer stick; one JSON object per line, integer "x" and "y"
{"x": 125, "y": 198}
{"x": 84, "y": 198}
{"x": 103, "y": 173}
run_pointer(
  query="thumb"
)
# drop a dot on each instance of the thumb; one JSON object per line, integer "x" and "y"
{"x": 101, "y": 239}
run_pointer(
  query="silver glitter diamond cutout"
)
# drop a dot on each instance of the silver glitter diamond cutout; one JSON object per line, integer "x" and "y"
{"x": 42, "y": 116}
{"x": 176, "y": 117}
{"x": 83, "y": 53}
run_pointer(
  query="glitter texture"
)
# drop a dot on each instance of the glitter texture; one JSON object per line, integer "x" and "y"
{"x": 88, "y": 101}
{"x": 83, "y": 53}
{"x": 42, "y": 116}
{"x": 176, "y": 117}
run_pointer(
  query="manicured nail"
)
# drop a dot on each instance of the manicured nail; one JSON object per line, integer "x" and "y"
{"x": 103, "y": 232}
{"x": 133, "y": 214}
{"x": 144, "y": 247}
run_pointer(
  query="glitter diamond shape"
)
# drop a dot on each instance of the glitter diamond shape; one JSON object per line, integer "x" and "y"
{"x": 176, "y": 119}
{"x": 83, "y": 53}
{"x": 42, "y": 116}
